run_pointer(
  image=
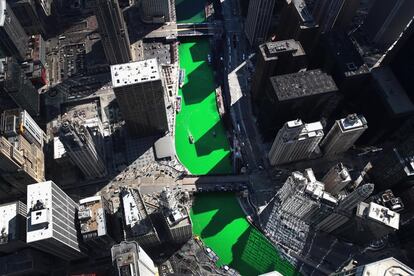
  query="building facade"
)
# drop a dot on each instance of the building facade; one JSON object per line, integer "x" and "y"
{"x": 295, "y": 141}
{"x": 13, "y": 39}
{"x": 51, "y": 216}
{"x": 113, "y": 31}
{"x": 336, "y": 179}
{"x": 139, "y": 90}
{"x": 13, "y": 226}
{"x": 259, "y": 16}
{"x": 343, "y": 134}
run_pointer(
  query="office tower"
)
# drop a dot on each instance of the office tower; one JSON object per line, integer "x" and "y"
{"x": 16, "y": 121}
{"x": 383, "y": 267}
{"x": 259, "y": 16}
{"x": 21, "y": 150}
{"x": 388, "y": 199}
{"x": 131, "y": 259}
{"x": 393, "y": 169}
{"x": 30, "y": 16}
{"x": 28, "y": 262}
{"x": 113, "y": 31}
{"x": 14, "y": 82}
{"x": 343, "y": 134}
{"x": 139, "y": 91}
{"x": 158, "y": 11}
{"x": 82, "y": 148}
{"x": 276, "y": 58}
{"x": 341, "y": 58}
{"x": 13, "y": 39}
{"x": 336, "y": 179}
{"x": 389, "y": 109}
{"x": 372, "y": 222}
{"x": 13, "y": 227}
{"x": 51, "y": 216}
{"x": 295, "y": 141}
{"x": 176, "y": 217}
{"x": 138, "y": 225}
{"x": 342, "y": 212}
{"x": 308, "y": 95}
{"x": 334, "y": 13}
{"x": 296, "y": 22}
{"x": 387, "y": 20}
{"x": 95, "y": 224}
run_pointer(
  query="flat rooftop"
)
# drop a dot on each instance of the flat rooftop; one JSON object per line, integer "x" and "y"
{"x": 271, "y": 50}
{"x": 302, "y": 84}
{"x": 134, "y": 72}
{"x": 3, "y": 8}
{"x": 8, "y": 222}
{"x": 304, "y": 13}
{"x": 92, "y": 217}
{"x": 352, "y": 122}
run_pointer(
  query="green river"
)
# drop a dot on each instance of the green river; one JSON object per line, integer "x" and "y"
{"x": 217, "y": 217}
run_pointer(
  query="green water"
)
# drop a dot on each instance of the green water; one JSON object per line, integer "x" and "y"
{"x": 190, "y": 11}
{"x": 219, "y": 221}
{"x": 210, "y": 152}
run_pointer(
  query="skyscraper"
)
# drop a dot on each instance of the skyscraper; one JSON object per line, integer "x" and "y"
{"x": 113, "y": 30}
{"x": 307, "y": 95}
{"x": 295, "y": 141}
{"x": 51, "y": 216}
{"x": 139, "y": 91}
{"x": 14, "y": 82}
{"x": 387, "y": 20}
{"x": 82, "y": 148}
{"x": 277, "y": 58}
{"x": 336, "y": 179}
{"x": 259, "y": 16}
{"x": 95, "y": 226}
{"x": 334, "y": 13}
{"x": 158, "y": 11}
{"x": 13, "y": 39}
{"x": 30, "y": 16}
{"x": 343, "y": 134}
{"x": 131, "y": 259}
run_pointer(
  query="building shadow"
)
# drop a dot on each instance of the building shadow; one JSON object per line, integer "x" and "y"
{"x": 187, "y": 9}
{"x": 200, "y": 84}
{"x": 212, "y": 140}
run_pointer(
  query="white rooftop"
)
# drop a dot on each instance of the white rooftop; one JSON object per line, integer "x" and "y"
{"x": 387, "y": 267}
{"x": 36, "y": 226}
{"x": 379, "y": 214}
{"x": 58, "y": 148}
{"x": 294, "y": 123}
{"x": 2, "y": 12}
{"x": 351, "y": 122}
{"x": 134, "y": 72}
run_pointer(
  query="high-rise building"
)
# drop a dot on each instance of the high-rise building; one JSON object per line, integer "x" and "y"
{"x": 277, "y": 58}
{"x": 342, "y": 212}
{"x": 176, "y": 217}
{"x": 13, "y": 226}
{"x": 30, "y": 15}
{"x": 51, "y": 216}
{"x": 95, "y": 226}
{"x": 28, "y": 261}
{"x": 392, "y": 169}
{"x": 139, "y": 90}
{"x": 342, "y": 60}
{"x": 334, "y": 13}
{"x": 113, "y": 31}
{"x": 259, "y": 16}
{"x": 13, "y": 39}
{"x": 343, "y": 134}
{"x": 371, "y": 222}
{"x": 307, "y": 95}
{"x": 138, "y": 224}
{"x": 21, "y": 147}
{"x": 387, "y": 20}
{"x": 383, "y": 267}
{"x": 82, "y": 148}
{"x": 295, "y": 141}
{"x": 131, "y": 259}
{"x": 296, "y": 22}
{"x": 336, "y": 179}
{"x": 14, "y": 82}
{"x": 158, "y": 11}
